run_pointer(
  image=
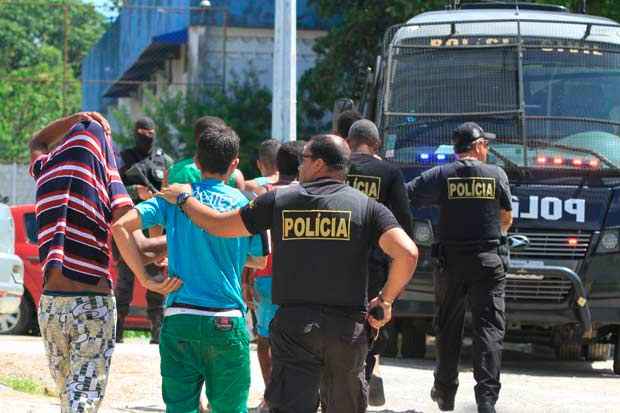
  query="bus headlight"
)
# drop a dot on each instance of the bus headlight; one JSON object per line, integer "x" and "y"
{"x": 423, "y": 233}
{"x": 609, "y": 242}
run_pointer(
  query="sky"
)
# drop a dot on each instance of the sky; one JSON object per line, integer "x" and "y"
{"x": 103, "y": 6}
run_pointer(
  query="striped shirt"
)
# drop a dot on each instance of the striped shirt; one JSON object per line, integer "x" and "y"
{"x": 78, "y": 188}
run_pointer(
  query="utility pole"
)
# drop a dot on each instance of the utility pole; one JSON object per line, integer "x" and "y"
{"x": 284, "y": 106}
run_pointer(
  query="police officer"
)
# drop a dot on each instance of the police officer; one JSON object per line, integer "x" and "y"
{"x": 322, "y": 230}
{"x": 474, "y": 214}
{"x": 142, "y": 172}
{"x": 383, "y": 182}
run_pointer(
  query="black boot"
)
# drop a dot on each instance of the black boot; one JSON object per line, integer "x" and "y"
{"x": 486, "y": 408}
{"x": 445, "y": 402}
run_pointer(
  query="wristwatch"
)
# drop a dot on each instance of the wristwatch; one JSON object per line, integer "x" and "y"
{"x": 182, "y": 199}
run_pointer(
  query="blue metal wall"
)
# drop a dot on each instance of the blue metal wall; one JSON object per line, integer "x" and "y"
{"x": 134, "y": 28}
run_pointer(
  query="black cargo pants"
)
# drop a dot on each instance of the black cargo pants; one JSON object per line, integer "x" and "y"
{"x": 317, "y": 347}
{"x": 476, "y": 277}
{"x": 123, "y": 290}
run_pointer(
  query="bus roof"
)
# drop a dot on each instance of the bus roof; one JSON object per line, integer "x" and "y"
{"x": 503, "y": 22}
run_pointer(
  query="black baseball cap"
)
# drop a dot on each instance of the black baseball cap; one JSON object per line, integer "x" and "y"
{"x": 469, "y": 132}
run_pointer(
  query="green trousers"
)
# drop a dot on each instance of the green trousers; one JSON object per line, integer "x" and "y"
{"x": 195, "y": 350}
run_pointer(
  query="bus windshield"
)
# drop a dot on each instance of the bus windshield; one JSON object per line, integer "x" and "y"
{"x": 571, "y": 104}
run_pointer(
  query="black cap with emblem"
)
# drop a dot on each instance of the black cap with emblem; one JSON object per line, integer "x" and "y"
{"x": 466, "y": 134}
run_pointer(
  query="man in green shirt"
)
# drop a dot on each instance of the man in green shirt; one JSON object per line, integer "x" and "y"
{"x": 186, "y": 172}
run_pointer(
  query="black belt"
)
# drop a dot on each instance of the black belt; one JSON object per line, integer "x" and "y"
{"x": 200, "y": 308}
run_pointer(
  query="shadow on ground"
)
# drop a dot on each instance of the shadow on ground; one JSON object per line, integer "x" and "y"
{"x": 517, "y": 359}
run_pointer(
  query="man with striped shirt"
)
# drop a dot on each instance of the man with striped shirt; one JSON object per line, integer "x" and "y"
{"x": 79, "y": 194}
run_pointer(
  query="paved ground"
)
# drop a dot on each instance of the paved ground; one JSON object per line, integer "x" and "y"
{"x": 531, "y": 383}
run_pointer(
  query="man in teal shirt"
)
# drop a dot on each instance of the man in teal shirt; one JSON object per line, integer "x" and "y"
{"x": 203, "y": 337}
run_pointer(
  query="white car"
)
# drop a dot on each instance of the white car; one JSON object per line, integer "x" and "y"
{"x": 11, "y": 266}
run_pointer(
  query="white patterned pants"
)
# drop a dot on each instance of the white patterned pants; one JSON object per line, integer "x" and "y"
{"x": 79, "y": 334}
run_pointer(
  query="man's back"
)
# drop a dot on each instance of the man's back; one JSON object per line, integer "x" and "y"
{"x": 209, "y": 266}
{"x": 384, "y": 183}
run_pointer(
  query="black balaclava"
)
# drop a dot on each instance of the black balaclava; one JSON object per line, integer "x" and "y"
{"x": 144, "y": 142}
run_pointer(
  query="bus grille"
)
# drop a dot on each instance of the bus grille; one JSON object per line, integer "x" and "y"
{"x": 555, "y": 245}
{"x": 537, "y": 288}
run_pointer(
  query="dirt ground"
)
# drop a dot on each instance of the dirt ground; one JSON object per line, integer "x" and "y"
{"x": 532, "y": 382}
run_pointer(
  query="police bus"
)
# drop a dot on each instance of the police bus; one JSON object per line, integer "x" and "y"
{"x": 547, "y": 82}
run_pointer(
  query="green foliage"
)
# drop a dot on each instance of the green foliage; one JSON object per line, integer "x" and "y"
{"x": 28, "y": 28}
{"x": 24, "y": 385}
{"x": 352, "y": 45}
{"x": 32, "y": 70}
{"x": 244, "y": 106}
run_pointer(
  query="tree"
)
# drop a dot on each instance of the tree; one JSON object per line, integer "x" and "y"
{"x": 244, "y": 106}
{"x": 28, "y": 28}
{"x": 32, "y": 72}
{"x": 353, "y": 43}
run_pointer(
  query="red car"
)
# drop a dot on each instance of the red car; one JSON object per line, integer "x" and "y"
{"x": 25, "y": 320}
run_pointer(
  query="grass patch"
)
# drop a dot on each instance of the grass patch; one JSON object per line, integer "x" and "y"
{"x": 136, "y": 334}
{"x": 24, "y": 385}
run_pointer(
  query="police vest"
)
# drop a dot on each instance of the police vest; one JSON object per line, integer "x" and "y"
{"x": 320, "y": 247}
{"x": 469, "y": 202}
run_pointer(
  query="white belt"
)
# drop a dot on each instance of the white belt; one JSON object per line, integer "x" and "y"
{"x": 178, "y": 310}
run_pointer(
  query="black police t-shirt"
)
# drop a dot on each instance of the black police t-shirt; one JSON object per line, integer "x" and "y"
{"x": 258, "y": 215}
{"x": 384, "y": 183}
{"x": 322, "y": 233}
{"x": 470, "y": 195}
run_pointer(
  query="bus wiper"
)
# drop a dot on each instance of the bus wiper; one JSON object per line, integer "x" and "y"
{"x": 537, "y": 143}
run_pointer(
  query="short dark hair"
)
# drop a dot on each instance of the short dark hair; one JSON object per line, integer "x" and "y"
{"x": 333, "y": 150}
{"x": 288, "y": 157}
{"x": 345, "y": 120}
{"x": 144, "y": 123}
{"x": 218, "y": 146}
{"x": 204, "y": 122}
{"x": 268, "y": 152}
{"x": 364, "y": 132}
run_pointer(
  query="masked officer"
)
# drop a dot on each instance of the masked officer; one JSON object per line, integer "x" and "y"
{"x": 321, "y": 230}
{"x": 142, "y": 172}
{"x": 474, "y": 214}
{"x": 383, "y": 182}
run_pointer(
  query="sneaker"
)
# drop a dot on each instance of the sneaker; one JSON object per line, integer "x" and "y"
{"x": 445, "y": 403}
{"x": 376, "y": 394}
{"x": 486, "y": 408}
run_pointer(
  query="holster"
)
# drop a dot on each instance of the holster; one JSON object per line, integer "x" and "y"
{"x": 438, "y": 254}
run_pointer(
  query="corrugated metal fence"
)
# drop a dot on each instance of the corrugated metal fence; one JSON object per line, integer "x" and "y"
{"x": 16, "y": 184}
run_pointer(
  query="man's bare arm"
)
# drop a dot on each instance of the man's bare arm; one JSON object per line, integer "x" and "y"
{"x": 123, "y": 230}
{"x": 404, "y": 253}
{"x": 222, "y": 224}
{"x": 505, "y": 218}
{"x": 256, "y": 262}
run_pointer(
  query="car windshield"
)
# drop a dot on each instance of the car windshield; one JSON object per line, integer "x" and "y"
{"x": 572, "y": 105}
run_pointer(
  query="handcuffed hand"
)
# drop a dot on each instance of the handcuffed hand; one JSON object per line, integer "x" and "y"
{"x": 171, "y": 192}
{"x": 163, "y": 285}
{"x": 387, "y": 313}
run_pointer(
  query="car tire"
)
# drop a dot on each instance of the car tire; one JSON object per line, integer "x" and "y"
{"x": 568, "y": 352}
{"x": 21, "y": 322}
{"x": 414, "y": 340}
{"x": 597, "y": 351}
